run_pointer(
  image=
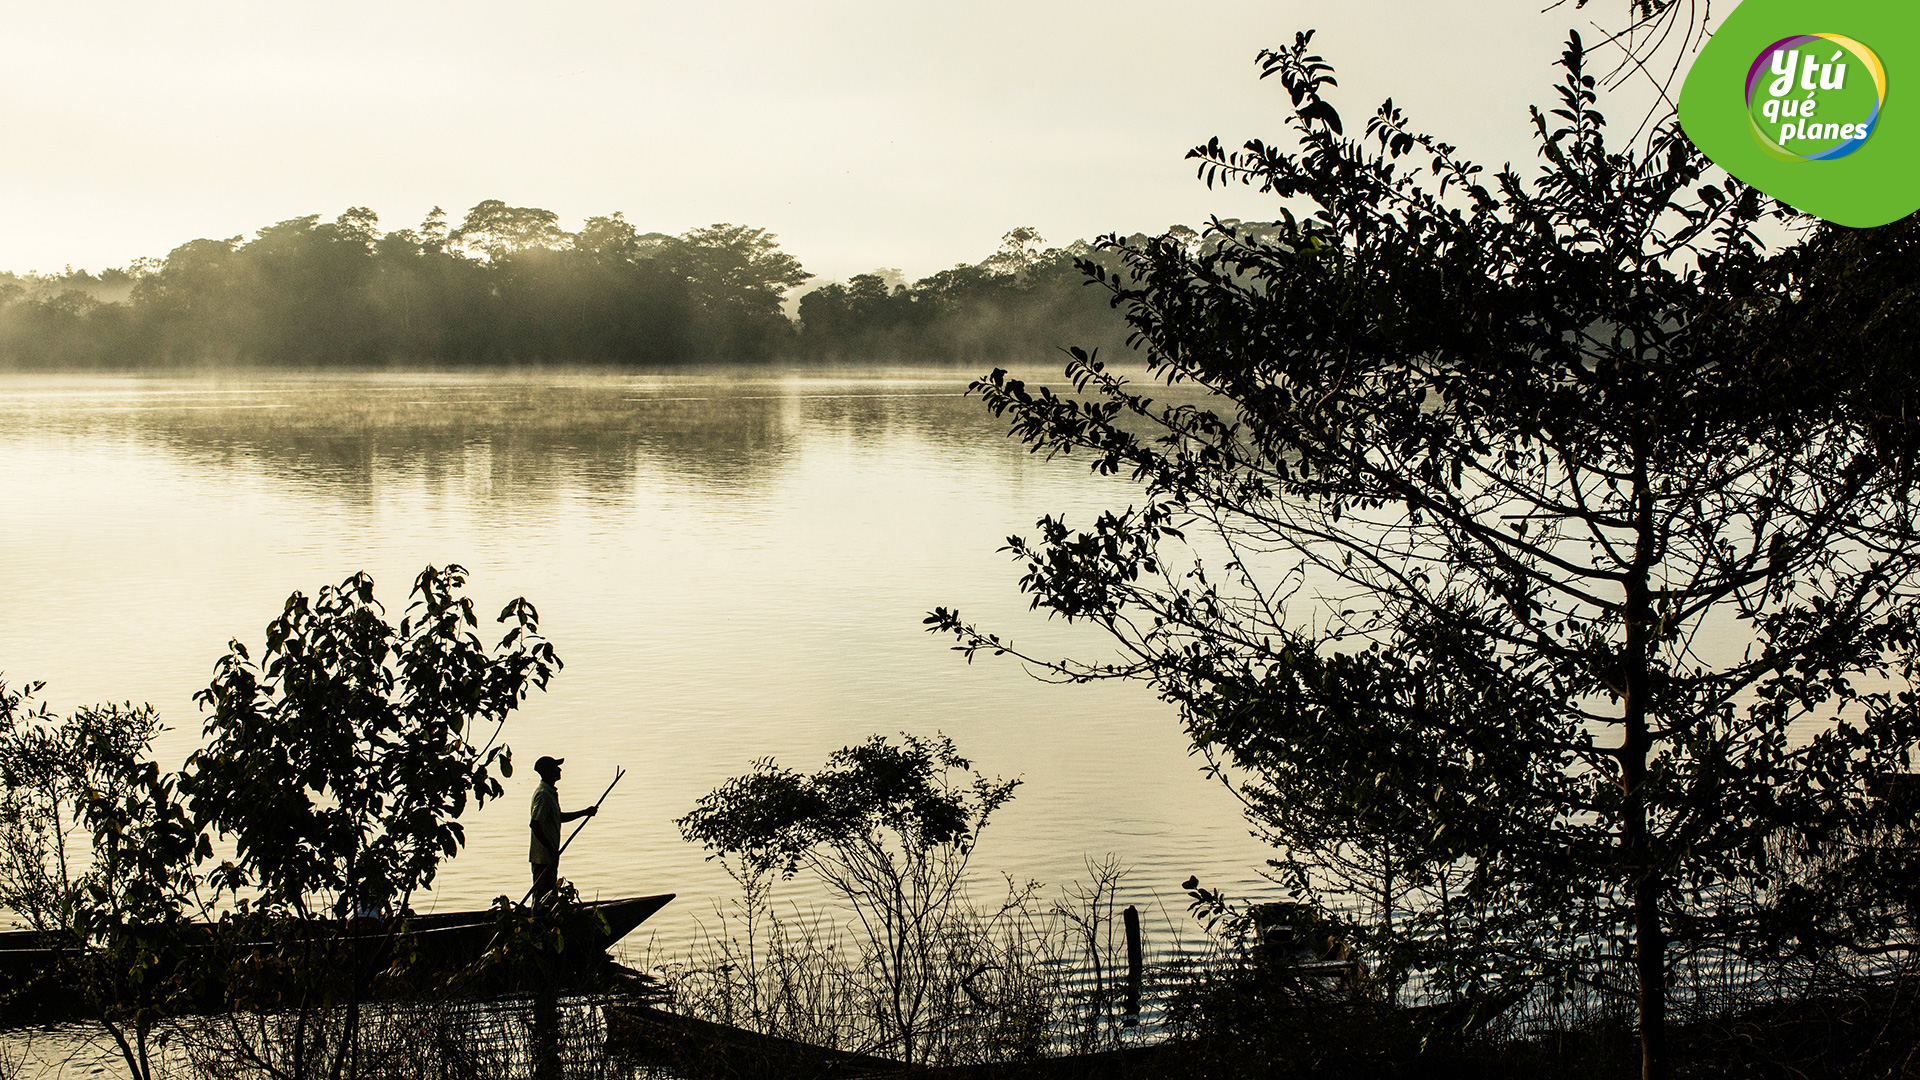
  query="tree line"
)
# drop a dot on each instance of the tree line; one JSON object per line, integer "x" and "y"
{"x": 507, "y": 285}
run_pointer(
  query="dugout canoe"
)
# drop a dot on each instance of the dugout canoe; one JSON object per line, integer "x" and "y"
{"x": 699, "y": 1049}
{"x": 441, "y": 942}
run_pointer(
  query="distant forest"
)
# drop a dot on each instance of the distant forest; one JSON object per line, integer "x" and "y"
{"x": 506, "y": 285}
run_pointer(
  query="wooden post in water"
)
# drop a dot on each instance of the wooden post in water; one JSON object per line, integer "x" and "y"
{"x": 1134, "y": 960}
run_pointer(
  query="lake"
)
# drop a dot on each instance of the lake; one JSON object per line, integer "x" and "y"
{"x": 733, "y": 564}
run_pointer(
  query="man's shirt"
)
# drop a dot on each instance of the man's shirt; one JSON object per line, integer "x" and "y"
{"x": 545, "y": 848}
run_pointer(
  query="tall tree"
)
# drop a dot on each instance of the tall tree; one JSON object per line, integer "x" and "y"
{"x": 304, "y": 290}
{"x": 190, "y": 301}
{"x": 1502, "y": 531}
{"x": 494, "y": 229}
{"x": 341, "y": 762}
{"x": 738, "y": 277}
{"x": 889, "y": 829}
{"x": 115, "y": 920}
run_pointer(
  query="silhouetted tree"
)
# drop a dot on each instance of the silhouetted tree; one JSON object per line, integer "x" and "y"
{"x": 738, "y": 277}
{"x": 115, "y": 914}
{"x": 1434, "y": 566}
{"x": 304, "y": 295}
{"x": 494, "y": 229}
{"x": 340, "y": 764}
{"x": 889, "y": 829}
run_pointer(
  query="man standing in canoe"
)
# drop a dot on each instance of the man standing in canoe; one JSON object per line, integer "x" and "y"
{"x": 546, "y": 819}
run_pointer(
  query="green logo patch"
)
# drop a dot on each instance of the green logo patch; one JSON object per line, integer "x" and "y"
{"x": 1794, "y": 99}
{"x": 1815, "y": 125}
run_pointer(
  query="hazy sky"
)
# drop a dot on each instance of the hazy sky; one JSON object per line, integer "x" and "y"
{"x": 864, "y": 134}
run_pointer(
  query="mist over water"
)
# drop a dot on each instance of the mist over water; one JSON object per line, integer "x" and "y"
{"x": 732, "y": 563}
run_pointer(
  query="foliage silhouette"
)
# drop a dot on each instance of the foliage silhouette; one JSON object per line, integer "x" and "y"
{"x": 887, "y": 830}
{"x": 117, "y": 914}
{"x": 340, "y": 764}
{"x": 1434, "y": 571}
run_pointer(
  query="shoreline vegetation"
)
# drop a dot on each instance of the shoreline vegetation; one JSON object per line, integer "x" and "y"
{"x": 923, "y": 972}
{"x": 1019, "y": 989}
{"x": 507, "y": 286}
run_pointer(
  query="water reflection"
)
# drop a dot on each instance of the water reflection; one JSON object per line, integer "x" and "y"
{"x": 506, "y": 439}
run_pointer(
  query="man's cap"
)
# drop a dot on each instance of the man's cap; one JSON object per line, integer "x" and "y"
{"x": 546, "y": 763}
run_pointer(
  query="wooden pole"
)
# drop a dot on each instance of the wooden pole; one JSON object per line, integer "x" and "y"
{"x": 1134, "y": 962}
{"x": 618, "y": 772}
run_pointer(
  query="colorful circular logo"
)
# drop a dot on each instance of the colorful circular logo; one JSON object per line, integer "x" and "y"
{"x": 1814, "y": 97}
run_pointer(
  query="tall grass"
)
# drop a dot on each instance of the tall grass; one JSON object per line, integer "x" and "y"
{"x": 425, "y": 1039}
{"x": 1017, "y": 978}
{"x": 1246, "y": 1008}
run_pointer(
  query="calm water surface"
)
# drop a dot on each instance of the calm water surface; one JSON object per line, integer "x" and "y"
{"x": 732, "y": 564}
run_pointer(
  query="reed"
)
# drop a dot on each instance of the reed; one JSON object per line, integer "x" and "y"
{"x": 1014, "y": 979}
{"x": 423, "y": 1039}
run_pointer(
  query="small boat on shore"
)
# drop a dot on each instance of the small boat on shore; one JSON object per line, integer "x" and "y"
{"x": 32, "y": 989}
{"x": 697, "y": 1049}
